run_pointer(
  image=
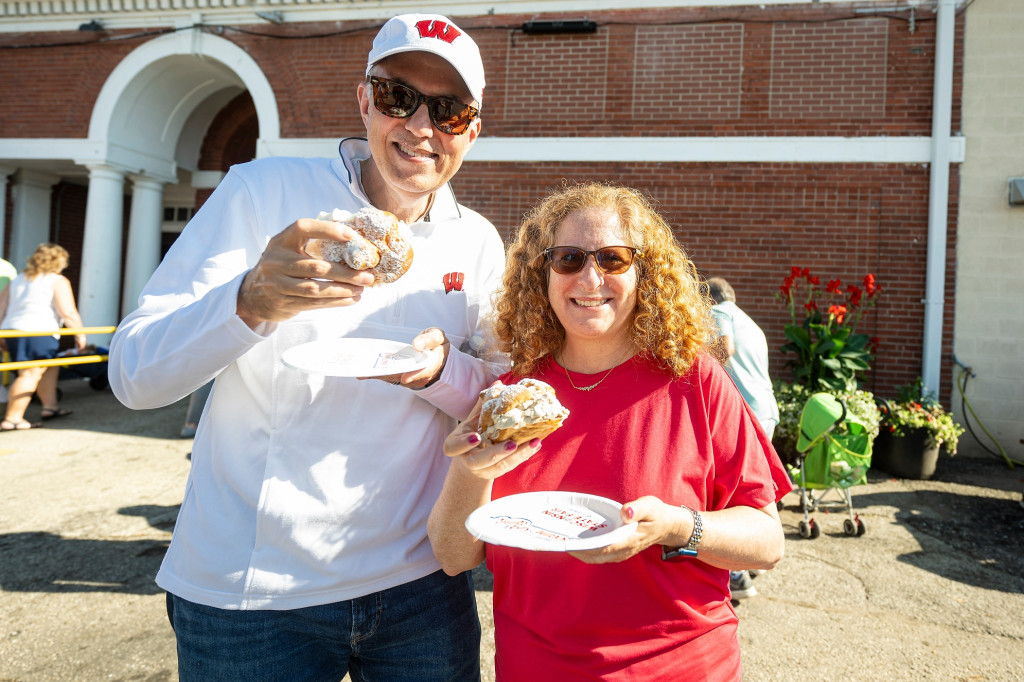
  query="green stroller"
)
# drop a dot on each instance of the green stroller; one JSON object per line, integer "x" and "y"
{"x": 830, "y": 458}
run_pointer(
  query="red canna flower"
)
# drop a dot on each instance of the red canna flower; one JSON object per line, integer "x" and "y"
{"x": 838, "y": 311}
{"x": 814, "y": 280}
{"x": 795, "y": 272}
{"x": 806, "y": 272}
{"x": 810, "y": 305}
{"x": 834, "y": 286}
{"x": 855, "y": 295}
{"x": 870, "y": 285}
{"x": 873, "y": 344}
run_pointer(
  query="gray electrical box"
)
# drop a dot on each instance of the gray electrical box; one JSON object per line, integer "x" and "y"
{"x": 1016, "y": 191}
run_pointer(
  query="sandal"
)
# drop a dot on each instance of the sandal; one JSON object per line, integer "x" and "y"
{"x": 7, "y": 425}
{"x": 54, "y": 413}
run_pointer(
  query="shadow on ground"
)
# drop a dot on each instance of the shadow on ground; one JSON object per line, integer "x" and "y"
{"x": 47, "y": 562}
{"x": 966, "y": 507}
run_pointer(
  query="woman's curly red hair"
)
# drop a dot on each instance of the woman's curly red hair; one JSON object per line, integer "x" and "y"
{"x": 672, "y": 321}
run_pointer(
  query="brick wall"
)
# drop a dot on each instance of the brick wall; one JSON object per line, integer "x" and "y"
{"x": 652, "y": 72}
{"x": 50, "y": 92}
{"x": 750, "y": 223}
{"x": 750, "y": 71}
{"x": 231, "y": 137}
{"x": 67, "y": 225}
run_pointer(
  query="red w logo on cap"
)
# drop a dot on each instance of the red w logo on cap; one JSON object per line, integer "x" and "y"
{"x": 429, "y": 28}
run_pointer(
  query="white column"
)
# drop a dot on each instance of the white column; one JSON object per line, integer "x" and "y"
{"x": 143, "y": 238}
{"x": 938, "y": 197}
{"x": 99, "y": 286}
{"x": 30, "y": 219}
{"x": 4, "y": 172}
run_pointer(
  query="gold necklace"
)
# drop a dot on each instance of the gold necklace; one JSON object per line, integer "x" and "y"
{"x": 592, "y": 386}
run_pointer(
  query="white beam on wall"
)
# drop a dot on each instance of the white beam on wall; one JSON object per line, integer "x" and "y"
{"x": 666, "y": 149}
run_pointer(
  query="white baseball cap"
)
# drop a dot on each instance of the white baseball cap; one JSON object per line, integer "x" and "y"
{"x": 431, "y": 33}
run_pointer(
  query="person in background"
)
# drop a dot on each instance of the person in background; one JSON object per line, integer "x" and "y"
{"x": 601, "y": 302}
{"x": 300, "y": 551}
{"x": 38, "y": 300}
{"x": 745, "y": 349}
{"x": 7, "y": 273}
{"x": 196, "y": 404}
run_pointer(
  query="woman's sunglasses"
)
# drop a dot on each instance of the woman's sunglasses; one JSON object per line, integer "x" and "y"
{"x": 611, "y": 260}
{"x": 397, "y": 100}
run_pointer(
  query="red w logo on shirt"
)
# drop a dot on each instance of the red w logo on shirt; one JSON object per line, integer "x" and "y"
{"x": 453, "y": 281}
{"x": 437, "y": 29}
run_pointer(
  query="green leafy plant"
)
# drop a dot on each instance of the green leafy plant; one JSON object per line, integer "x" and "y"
{"x": 829, "y": 354}
{"x": 915, "y": 408}
{"x": 791, "y": 399}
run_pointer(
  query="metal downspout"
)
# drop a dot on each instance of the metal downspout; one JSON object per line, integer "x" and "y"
{"x": 938, "y": 196}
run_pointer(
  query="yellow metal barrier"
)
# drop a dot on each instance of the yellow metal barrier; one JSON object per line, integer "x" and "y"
{"x": 54, "y": 362}
{"x": 9, "y": 333}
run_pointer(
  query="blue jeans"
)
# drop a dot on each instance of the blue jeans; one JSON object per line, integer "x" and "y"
{"x": 421, "y": 631}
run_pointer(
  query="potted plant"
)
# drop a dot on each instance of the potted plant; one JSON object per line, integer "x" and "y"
{"x": 828, "y": 354}
{"x": 913, "y": 429}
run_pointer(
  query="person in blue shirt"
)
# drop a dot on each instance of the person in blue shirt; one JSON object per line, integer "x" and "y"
{"x": 745, "y": 348}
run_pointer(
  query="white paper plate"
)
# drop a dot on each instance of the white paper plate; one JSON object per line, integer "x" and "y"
{"x": 355, "y": 357}
{"x": 551, "y": 521}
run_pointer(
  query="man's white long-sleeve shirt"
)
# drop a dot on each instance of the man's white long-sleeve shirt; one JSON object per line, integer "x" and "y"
{"x": 305, "y": 489}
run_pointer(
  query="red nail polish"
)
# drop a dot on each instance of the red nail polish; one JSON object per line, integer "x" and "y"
{"x": 629, "y": 512}
{"x": 535, "y": 443}
{"x": 511, "y": 445}
{"x": 474, "y": 438}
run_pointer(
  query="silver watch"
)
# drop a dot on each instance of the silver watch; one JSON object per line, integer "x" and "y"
{"x": 690, "y": 548}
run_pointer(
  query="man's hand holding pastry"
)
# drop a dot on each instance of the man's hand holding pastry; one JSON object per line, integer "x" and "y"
{"x": 287, "y": 280}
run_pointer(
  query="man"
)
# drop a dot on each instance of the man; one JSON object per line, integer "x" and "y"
{"x": 300, "y": 551}
{"x": 744, "y": 345}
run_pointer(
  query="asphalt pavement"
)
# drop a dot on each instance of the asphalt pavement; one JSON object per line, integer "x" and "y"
{"x": 934, "y": 589}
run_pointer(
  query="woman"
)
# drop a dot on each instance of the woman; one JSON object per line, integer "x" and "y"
{"x": 599, "y": 301}
{"x": 38, "y": 299}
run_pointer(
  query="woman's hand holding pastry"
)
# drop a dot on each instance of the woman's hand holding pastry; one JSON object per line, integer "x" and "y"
{"x": 658, "y": 523}
{"x": 481, "y": 460}
{"x": 287, "y": 281}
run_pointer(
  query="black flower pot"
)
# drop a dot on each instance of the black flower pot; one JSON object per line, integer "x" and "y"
{"x": 912, "y": 455}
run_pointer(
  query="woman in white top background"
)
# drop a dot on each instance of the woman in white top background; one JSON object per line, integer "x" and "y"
{"x": 38, "y": 299}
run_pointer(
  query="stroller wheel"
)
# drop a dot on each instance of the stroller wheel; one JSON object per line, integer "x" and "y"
{"x": 860, "y": 527}
{"x": 850, "y": 528}
{"x": 808, "y": 529}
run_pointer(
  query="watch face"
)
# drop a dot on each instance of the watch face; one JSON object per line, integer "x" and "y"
{"x": 681, "y": 553}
